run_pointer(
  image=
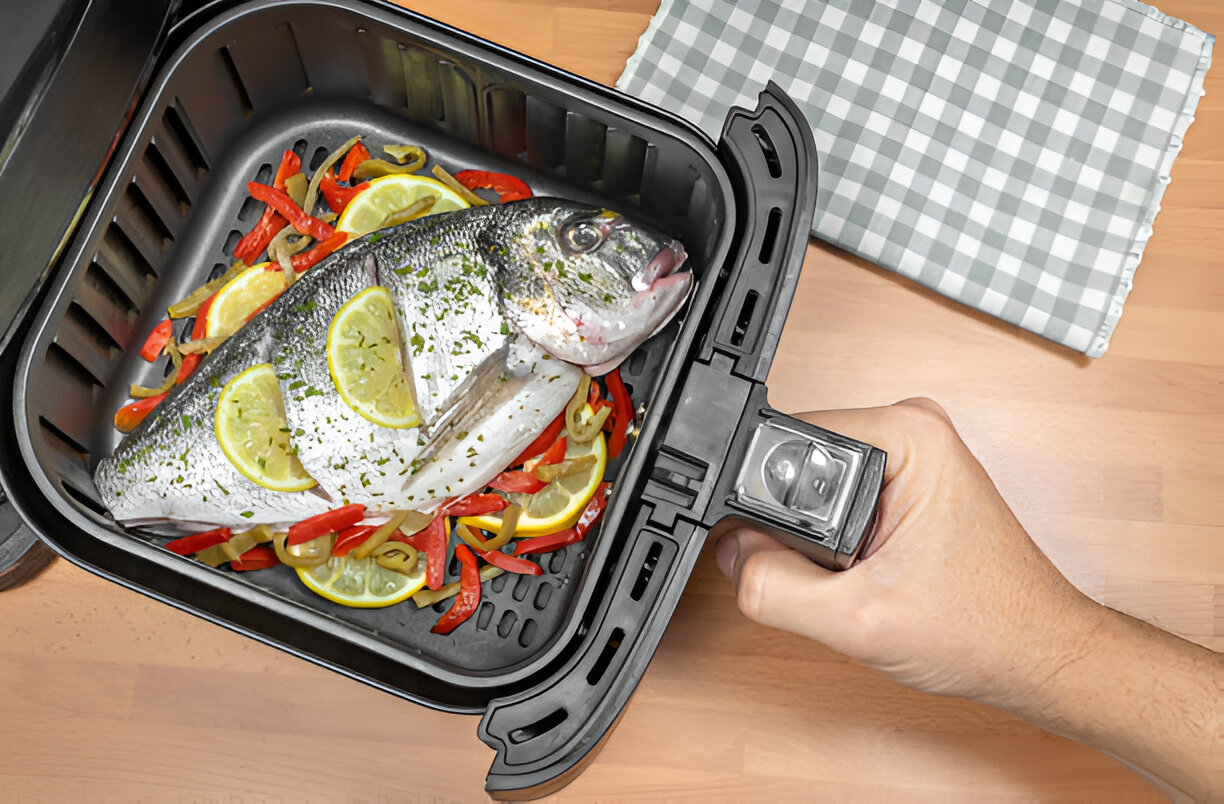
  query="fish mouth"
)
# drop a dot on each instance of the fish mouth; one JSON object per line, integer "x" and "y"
{"x": 662, "y": 265}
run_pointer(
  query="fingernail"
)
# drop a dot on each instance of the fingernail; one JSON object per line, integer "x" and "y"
{"x": 725, "y": 552}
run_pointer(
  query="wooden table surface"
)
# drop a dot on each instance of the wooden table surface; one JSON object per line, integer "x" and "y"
{"x": 1116, "y": 466}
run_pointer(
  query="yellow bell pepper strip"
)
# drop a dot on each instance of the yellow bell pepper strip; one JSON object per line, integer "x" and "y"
{"x": 468, "y": 600}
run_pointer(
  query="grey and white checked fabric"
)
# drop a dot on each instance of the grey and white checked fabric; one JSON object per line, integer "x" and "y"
{"x": 1010, "y": 154}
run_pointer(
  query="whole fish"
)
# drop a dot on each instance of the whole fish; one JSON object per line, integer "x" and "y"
{"x": 499, "y": 310}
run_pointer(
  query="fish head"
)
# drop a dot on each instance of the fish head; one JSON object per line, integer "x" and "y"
{"x": 585, "y": 284}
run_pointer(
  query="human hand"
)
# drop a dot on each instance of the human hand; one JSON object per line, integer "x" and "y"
{"x": 953, "y": 597}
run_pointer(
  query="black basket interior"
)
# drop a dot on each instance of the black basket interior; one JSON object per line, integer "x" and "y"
{"x": 243, "y": 87}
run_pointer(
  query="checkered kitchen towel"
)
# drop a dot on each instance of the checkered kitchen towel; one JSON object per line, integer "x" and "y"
{"x": 1010, "y": 154}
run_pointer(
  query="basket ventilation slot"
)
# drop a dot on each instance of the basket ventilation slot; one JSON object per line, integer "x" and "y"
{"x": 178, "y": 131}
{"x": 142, "y": 224}
{"x": 87, "y": 341}
{"x": 768, "y": 151}
{"x": 647, "y": 571}
{"x": 770, "y": 237}
{"x": 608, "y": 653}
{"x": 231, "y": 70}
{"x": 744, "y": 319}
{"x": 541, "y": 726}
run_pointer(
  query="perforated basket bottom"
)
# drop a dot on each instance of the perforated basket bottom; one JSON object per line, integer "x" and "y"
{"x": 518, "y": 615}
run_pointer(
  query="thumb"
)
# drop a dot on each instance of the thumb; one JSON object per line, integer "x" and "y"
{"x": 779, "y": 587}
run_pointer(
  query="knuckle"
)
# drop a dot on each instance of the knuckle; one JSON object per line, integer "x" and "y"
{"x": 927, "y": 420}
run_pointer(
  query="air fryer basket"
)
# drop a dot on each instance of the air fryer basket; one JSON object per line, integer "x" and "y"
{"x": 551, "y": 658}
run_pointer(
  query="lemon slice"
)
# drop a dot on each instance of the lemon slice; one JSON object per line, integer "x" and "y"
{"x": 361, "y": 582}
{"x": 558, "y": 505}
{"x": 365, "y": 360}
{"x": 251, "y": 429}
{"x": 374, "y": 206}
{"x": 241, "y": 296}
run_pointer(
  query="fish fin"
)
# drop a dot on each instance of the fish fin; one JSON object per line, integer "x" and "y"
{"x": 489, "y": 385}
{"x": 465, "y": 389}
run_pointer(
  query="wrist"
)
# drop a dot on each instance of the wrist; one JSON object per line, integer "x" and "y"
{"x": 1144, "y": 696}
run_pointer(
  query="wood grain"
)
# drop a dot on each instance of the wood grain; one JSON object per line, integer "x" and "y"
{"x": 1116, "y": 466}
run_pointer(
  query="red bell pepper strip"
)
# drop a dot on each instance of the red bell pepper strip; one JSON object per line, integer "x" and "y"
{"x": 554, "y": 541}
{"x": 198, "y": 541}
{"x": 257, "y": 558}
{"x": 511, "y": 564}
{"x": 555, "y": 453}
{"x": 319, "y": 524}
{"x": 546, "y": 544}
{"x": 622, "y": 413}
{"x": 189, "y": 365}
{"x": 255, "y": 241}
{"x": 508, "y": 188}
{"x": 355, "y": 156}
{"x": 594, "y": 509}
{"x": 157, "y": 340}
{"x": 513, "y": 481}
{"x": 432, "y": 542}
{"x": 318, "y": 251}
{"x": 200, "y": 326}
{"x": 348, "y": 538}
{"x": 338, "y": 197}
{"x": 468, "y": 599}
{"x": 475, "y": 504}
{"x": 130, "y": 415}
{"x": 280, "y": 201}
{"x": 542, "y": 441}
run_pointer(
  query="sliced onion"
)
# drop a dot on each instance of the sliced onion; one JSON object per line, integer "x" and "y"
{"x": 306, "y": 555}
{"x": 428, "y": 597}
{"x": 397, "y": 557}
{"x": 453, "y": 183}
{"x": 381, "y": 535}
{"x": 191, "y": 302}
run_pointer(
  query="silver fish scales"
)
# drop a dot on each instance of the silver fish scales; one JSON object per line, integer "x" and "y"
{"x": 499, "y": 310}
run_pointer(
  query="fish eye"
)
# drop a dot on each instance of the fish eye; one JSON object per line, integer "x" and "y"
{"x": 582, "y": 236}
